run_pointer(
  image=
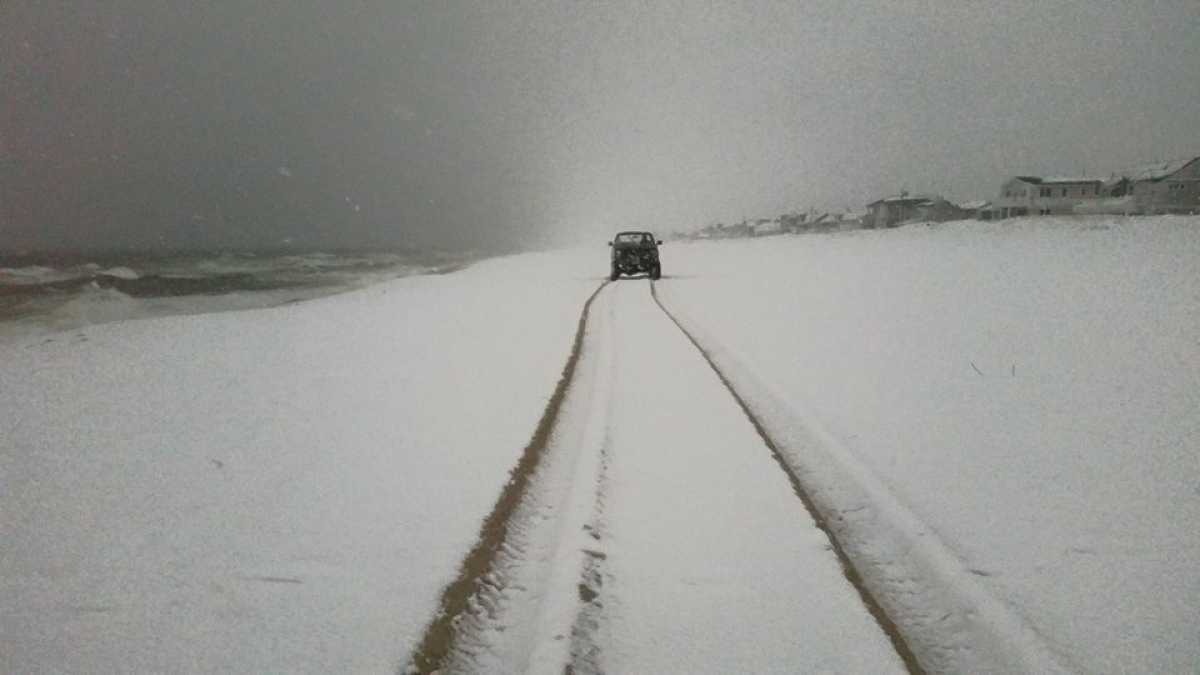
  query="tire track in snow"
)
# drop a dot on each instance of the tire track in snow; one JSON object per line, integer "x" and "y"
{"x": 886, "y": 624}
{"x": 574, "y": 599}
{"x": 486, "y": 622}
{"x": 950, "y": 621}
{"x": 584, "y": 652}
{"x": 437, "y": 644}
{"x": 585, "y": 647}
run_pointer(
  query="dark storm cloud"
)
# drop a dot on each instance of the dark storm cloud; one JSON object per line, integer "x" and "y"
{"x": 246, "y": 123}
{"x": 512, "y": 124}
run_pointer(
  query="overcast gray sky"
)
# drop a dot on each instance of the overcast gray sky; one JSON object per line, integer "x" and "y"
{"x": 518, "y": 124}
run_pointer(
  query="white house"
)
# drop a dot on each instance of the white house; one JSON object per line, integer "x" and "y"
{"x": 1034, "y": 195}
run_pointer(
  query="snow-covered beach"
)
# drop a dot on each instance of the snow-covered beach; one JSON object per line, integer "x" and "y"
{"x": 1001, "y": 419}
{"x": 1027, "y": 392}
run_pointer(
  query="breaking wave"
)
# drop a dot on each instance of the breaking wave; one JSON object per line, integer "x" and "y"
{"x": 46, "y": 296}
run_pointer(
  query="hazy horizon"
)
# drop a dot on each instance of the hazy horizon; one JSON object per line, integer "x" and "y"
{"x": 475, "y": 125}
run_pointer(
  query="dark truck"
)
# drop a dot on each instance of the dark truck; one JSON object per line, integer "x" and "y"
{"x": 634, "y": 253}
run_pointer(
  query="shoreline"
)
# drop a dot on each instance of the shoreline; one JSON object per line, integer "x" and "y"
{"x": 94, "y": 297}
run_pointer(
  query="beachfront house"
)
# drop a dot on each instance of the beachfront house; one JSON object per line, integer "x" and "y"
{"x": 939, "y": 210}
{"x": 1162, "y": 187}
{"x": 1037, "y": 196}
{"x": 980, "y": 209}
{"x": 891, "y": 211}
{"x": 1165, "y": 187}
{"x": 903, "y": 208}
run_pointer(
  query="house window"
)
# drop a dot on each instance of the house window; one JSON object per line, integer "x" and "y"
{"x": 1064, "y": 192}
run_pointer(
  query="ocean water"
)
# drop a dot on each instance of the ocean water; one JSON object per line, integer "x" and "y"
{"x": 44, "y": 293}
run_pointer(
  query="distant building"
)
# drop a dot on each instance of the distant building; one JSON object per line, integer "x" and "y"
{"x": 848, "y": 220}
{"x": 742, "y": 229}
{"x": 1033, "y": 195}
{"x": 793, "y": 223}
{"x": 1165, "y": 187}
{"x": 765, "y": 226}
{"x": 938, "y": 210}
{"x": 980, "y": 209}
{"x": 892, "y": 211}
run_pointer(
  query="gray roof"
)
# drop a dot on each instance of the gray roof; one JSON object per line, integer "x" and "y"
{"x": 1158, "y": 170}
{"x": 1071, "y": 179}
{"x": 1058, "y": 180}
{"x": 906, "y": 199}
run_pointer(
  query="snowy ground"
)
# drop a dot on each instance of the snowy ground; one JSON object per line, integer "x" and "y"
{"x": 659, "y": 535}
{"x": 999, "y": 421}
{"x": 272, "y": 490}
{"x": 1026, "y": 394}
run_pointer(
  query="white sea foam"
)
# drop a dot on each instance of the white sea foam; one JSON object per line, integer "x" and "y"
{"x": 44, "y": 299}
{"x": 35, "y": 274}
{"x": 121, "y": 273}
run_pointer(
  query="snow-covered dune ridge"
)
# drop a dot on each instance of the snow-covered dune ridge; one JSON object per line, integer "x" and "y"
{"x": 1001, "y": 416}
